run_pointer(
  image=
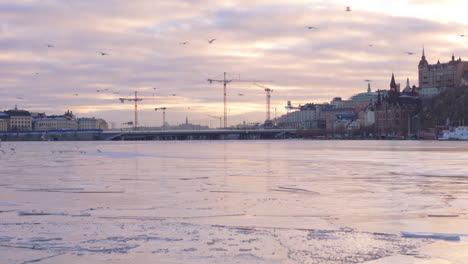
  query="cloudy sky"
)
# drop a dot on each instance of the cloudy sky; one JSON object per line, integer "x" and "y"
{"x": 262, "y": 40}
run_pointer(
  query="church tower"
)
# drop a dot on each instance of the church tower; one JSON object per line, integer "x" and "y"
{"x": 423, "y": 71}
{"x": 393, "y": 85}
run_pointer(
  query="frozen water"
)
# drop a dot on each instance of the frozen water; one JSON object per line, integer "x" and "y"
{"x": 292, "y": 201}
{"x": 450, "y": 237}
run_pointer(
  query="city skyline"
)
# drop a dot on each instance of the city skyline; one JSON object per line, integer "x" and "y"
{"x": 60, "y": 55}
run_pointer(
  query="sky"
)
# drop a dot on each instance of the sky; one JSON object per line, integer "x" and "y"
{"x": 50, "y": 56}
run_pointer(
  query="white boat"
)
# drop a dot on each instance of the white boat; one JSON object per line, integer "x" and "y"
{"x": 455, "y": 133}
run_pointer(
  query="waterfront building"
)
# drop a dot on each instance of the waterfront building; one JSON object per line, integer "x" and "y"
{"x": 41, "y": 122}
{"x": 305, "y": 118}
{"x": 435, "y": 78}
{"x": 366, "y": 117}
{"x": 92, "y": 123}
{"x": 19, "y": 120}
{"x": 3, "y": 122}
{"x": 331, "y": 115}
{"x": 102, "y": 124}
{"x": 395, "y": 110}
{"x": 54, "y": 123}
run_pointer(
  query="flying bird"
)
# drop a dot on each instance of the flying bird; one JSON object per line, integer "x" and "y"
{"x": 183, "y": 43}
{"x": 102, "y": 90}
{"x": 20, "y": 98}
{"x": 103, "y": 53}
{"x": 370, "y": 45}
{"x": 240, "y": 94}
{"x": 310, "y": 27}
{"x": 409, "y": 52}
{"x": 348, "y": 9}
{"x": 367, "y": 80}
{"x": 50, "y": 46}
{"x": 173, "y": 94}
{"x": 211, "y": 41}
{"x": 461, "y": 35}
{"x": 75, "y": 94}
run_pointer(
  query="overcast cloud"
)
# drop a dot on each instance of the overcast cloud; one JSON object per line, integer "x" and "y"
{"x": 255, "y": 40}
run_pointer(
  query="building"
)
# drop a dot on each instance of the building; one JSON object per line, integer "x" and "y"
{"x": 435, "y": 78}
{"x": 305, "y": 118}
{"x": 366, "y": 117}
{"x": 54, "y": 123}
{"x": 330, "y": 116}
{"x": 19, "y": 120}
{"x": 92, "y": 123}
{"x": 102, "y": 124}
{"x": 395, "y": 110}
{"x": 3, "y": 122}
{"x": 358, "y": 101}
{"x": 41, "y": 122}
{"x": 462, "y": 74}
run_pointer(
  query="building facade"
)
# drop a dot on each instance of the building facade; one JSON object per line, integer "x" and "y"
{"x": 395, "y": 110}
{"x": 19, "y": 120}
{"x": 92, "y": 123}
{"x": 54, "y": 123}
{"x": 3, "y": 122}
{"x": 435, "y": 78}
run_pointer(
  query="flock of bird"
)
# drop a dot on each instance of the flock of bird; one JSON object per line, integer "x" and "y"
{"x": 211, "y": 41}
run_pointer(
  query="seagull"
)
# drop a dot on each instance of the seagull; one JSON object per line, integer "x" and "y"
{"x": 370, "y": 45}
{"x": 240, "y": 94}
{"x": 461, "y": 35}
{"x": 309, "y": 27}
{"x": 173, "y": 94}
{"x": 50, "y": 46}
{"x": 75, "y": 94}
{"x": 348, "y": 9}
{"x": 367, "y": 80}
{"x": 183, "y": 43}
{"x": 409, "y": 52}
{"x": 211, "y": 41}
{"x": 103, "y": 53}
{"x": 20, "y": 98}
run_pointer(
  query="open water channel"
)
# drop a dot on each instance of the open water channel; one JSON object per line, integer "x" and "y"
{"x": 290, "y": 201}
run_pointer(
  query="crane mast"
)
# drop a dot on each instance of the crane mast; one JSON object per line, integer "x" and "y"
{"x": 225, "y": 81}
{"x": 268, "y": 98}
{"x": 217, "y": 117}
{"x": 164, "y": 116}
{"x": 135, "y": 100}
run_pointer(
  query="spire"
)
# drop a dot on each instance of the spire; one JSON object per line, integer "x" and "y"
{"x": 407, "y": 83}
{"x": 393, "y": 85}
{"x": 368, "y": 88}
{"x": 16, "y": 107}
{"x": 186, "y": 120}
{"x": 453, "y": 57}
{"x": 423, "y": 61}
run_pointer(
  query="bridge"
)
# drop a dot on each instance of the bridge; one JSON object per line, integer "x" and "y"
{"x": 215, "y": 134}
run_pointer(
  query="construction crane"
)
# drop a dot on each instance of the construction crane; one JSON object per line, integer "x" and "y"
{"x": 218, "y": 117}
{"x": 164, "y": 116}
{"x": 135, "y": 100}
{"x": 268, "y": 97}
{"x": 225, "y": 81}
